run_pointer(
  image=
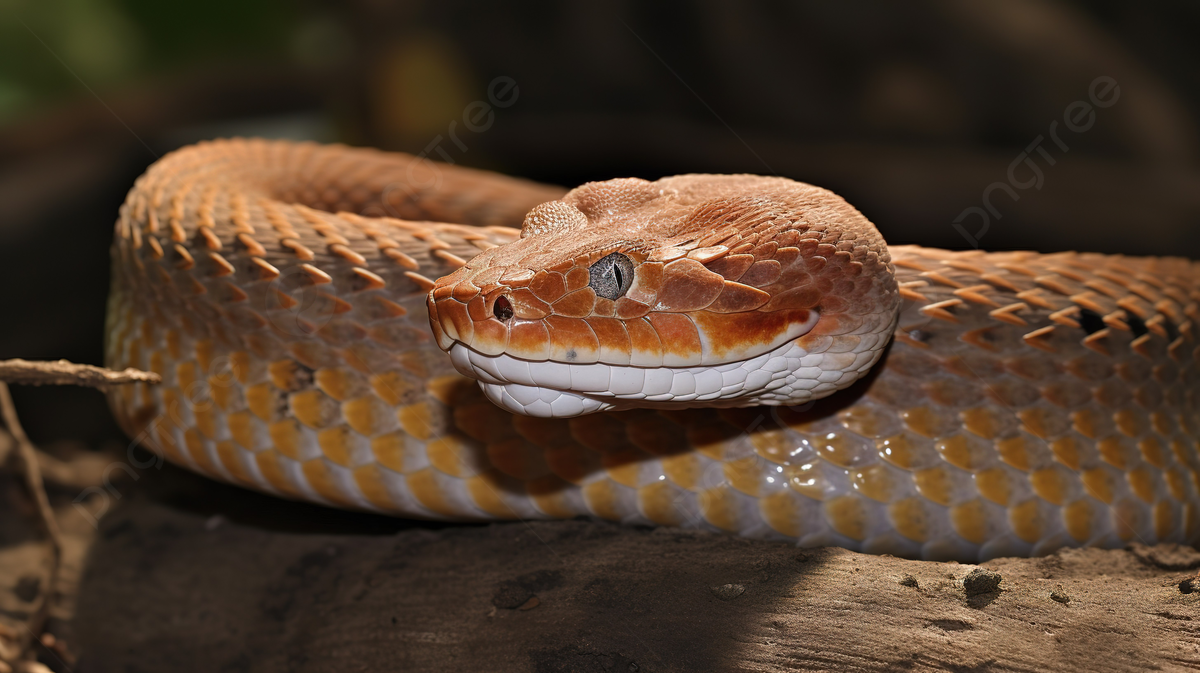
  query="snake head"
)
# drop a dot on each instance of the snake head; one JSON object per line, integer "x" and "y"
{"x": 696, "y": 290}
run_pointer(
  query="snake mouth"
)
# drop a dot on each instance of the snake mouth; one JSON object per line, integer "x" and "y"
{"x": 546, "y": 388}
{"x": 558, "y": 366}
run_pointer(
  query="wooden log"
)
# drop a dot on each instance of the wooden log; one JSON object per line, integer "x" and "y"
{"x": 202, "y": 577}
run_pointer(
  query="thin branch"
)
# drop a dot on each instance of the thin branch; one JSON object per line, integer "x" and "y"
{"x": 33, "y": 480}
{"x": 62, "y": 372}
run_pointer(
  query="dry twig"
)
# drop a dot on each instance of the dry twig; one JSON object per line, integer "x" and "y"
{"x": 33, "y": 480}
{"x": 62, "y": 372}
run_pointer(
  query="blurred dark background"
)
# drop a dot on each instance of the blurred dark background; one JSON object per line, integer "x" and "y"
{"x": 909, "y": 110}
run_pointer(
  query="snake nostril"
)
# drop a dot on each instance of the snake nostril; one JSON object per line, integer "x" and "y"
{"x": 502, "y": 309}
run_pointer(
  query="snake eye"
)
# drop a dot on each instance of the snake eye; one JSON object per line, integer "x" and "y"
{"x": 611, "y": 276}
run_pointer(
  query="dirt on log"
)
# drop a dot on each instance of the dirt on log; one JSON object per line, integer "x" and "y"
{"x": 187, "y": 575}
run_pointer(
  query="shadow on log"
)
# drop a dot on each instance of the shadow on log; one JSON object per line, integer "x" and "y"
{"x": 187, "y": 575}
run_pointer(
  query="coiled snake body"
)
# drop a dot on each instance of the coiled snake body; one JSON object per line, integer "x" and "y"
{"x": 1026, "y": 401}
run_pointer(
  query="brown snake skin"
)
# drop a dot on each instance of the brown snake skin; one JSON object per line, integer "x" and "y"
{"x": 1027, "y": 401}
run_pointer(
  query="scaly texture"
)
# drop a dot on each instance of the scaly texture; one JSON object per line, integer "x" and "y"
{"x": 694, "y": 290}
{"x": 1027, "y": 402}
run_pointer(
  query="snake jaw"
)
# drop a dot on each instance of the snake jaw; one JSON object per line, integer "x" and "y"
{"x": 790, "y": 373}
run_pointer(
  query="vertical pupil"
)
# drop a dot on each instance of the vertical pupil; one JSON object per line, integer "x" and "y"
{"x": 617, "y": 275}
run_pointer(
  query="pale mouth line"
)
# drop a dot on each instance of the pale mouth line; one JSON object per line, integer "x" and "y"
{"x": 600, "y": 382}
{"x": 504, "y": 369}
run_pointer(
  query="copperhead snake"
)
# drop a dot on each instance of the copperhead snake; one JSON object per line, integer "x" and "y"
{"x": 665, "y": 353}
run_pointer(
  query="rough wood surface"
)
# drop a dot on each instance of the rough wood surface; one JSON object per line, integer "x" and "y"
{"x": 65, "y": 373}
{"x": 192, "y": 576}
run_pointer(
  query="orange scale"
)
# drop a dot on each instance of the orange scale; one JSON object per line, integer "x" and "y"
{"x": 687, "y": 286}
{"x": 529, "y": 339}
{"x": 736, "y": 298}
{"x": 666, "y": 254}
{"x": 788, "y": 238}
{"x": 628, "y": 309}
{"x": 1131, "y": 422}
{"x": 1153, "y": 452}
{"x": 994, "y": 484}
{"x": 1053, "y": 484}
{"x": 787, "y": 256}
{"x": 491, "y": 337}
{"x": 489, "y": 276}
{"x": 1143, "y": 482}
{"x": 803, "y": 297}
{"x": 932, "y": 422}
{"x": 1162, "y": 423}
{"x": 572, "y": 340}
{"x": 324, "y": 480}
{"x": 1176, "y": 483}
{"x": 680, "y": 338}
{"x": 1044, "y": 422}
{"x": 1115, "y": 451}
{"x": 646, "y": 347}
{"x": 707, "y": 254}
{"x": 1078, "y": 518}
{"x": 548, "y": 285}
{"x": 647, "y": 281}
{"x": 938, "y": 484}
{"x": 1166, "y": 521}
{"x": 577, "y": 304}
{"x": 605, "y": 307}
{"x": 912, "y": 518}
{"x": 765, "y": 250}
{"x": 517, "y": 277}
{"x": 455, "y": 321}
{"x": 731, "y": 267}
{"x": 603, "y": 499}
{"x": 972, "y": 521}
{"x": 762, "y": 273}
{"x": 844, "y": 449}
{"x": 1127, "y": 517}
{"x": 848, "y": 515}
{"x": 1091, "y": 422}
{"x": 1184, "y": 449}
{"x": 1027, "y": 520}
{"x": 577, "y": 279}
{"x": 464, "y": 291}
{"x": 719, "y": 506}
{"x": 659, "y": 501}
{"x": 613, "y": 339}
{"x": 477, "y": 308}
{"x": 776, "y": 445}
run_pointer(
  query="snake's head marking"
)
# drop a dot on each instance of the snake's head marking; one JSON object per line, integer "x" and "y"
{"x": 696, "y": 290}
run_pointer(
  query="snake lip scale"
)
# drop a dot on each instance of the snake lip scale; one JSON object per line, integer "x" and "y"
{"x": 374, "y": 331}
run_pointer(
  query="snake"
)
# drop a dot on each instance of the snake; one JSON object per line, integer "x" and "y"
{"x": 376, "y": 331}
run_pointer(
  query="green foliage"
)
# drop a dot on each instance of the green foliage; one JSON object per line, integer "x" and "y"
{"x": 50, "y": 48}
